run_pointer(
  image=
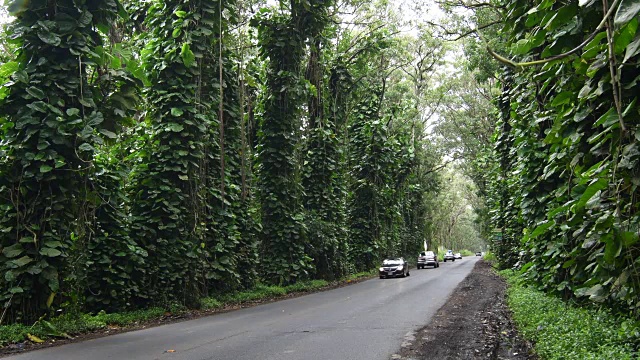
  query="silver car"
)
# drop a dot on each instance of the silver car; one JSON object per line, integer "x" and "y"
{"x": 427, "y": 258}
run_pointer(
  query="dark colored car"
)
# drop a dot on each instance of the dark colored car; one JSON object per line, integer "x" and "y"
{"x": 394, "y": 268}
{"x": 427, "y": 258}
{"x": 449, "y": 256}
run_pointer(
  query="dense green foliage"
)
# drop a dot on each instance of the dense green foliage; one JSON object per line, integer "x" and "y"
{"x": 547, "y": 125}
{"x": 569, "y": 149}
{"x": 562, "y": 331}
{"x": 157, "y": 153}
{"x": 51, "y": 122}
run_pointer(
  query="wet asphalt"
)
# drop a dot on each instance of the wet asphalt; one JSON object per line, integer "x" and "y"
{"x": 369, "y": 320}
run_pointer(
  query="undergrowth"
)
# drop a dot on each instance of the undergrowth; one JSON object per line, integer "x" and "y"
{"x": 465, "y": 252}
{"x": 490, "y": 257}
{"x": 261, "y": 292}
{"x": 67, "y": 325}
{"x": 562, "y": 330}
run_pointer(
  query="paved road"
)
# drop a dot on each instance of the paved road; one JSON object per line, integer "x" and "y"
{"x": 364, "y": 321}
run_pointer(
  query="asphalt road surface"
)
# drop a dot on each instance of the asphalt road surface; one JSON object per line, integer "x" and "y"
{"x": 365, "y": 321}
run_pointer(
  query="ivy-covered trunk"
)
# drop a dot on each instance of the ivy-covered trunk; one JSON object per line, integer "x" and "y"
{"x": 114, "y": 259}
{"x": 168, "y": 203}
{"x": 322, "y": 175}
{"x": 49, "y": 125}
{"x": 366, "y": 205}
{"x": 283, "y": 243}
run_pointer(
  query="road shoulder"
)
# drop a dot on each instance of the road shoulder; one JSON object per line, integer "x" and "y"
{"x": 475, "y": 323}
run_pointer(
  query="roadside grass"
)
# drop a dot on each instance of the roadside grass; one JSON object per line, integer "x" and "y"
{"x": 361, "y": 275}
{"x": 261, "y": 292}
{"x": 465, "y": 252}
{"x": 490, "y": 257}
{"x": 68, "y": 325}
{"x": 562, "y": 330}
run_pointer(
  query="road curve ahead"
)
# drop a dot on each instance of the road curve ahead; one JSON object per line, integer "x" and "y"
{"x": 364, "y": 321}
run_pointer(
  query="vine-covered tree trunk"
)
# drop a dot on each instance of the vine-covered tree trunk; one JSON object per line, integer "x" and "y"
{"x": 50, "y": 125}
{"x": 169, "y": 202}
{"x": 283, "y": 243}
{"x": 321, "y": 171}
{"x": 365, "y": 204}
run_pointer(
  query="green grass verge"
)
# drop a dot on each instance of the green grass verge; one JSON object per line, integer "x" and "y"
{"x": 465, "y": 252}
{"x": 565, "y": 331}
{"x": 261, "y": 292}
{"x": 490, "y": 257}
{"x": 68, "y": 324}
{"x": 360, "y": 275}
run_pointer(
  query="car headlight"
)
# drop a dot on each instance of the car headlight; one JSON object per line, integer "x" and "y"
{"x": 400, "y": 267}
{"x": 381, "y": 269}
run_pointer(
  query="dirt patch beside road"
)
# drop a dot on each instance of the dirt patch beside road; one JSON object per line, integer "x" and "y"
{"x": 475, "y": 323}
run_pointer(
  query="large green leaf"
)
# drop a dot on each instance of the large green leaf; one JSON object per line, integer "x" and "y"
{"x": 629, "y": 238}
{"x": 49, "y": 37}
{"x": 35, "y": 92}
{"x": 612, "y": 249}
{"x": 7, "y": 69}
{"x": 627, "y": 10}
{"x": 175, "y": 127}
{"x": 595, "y": 293}
{"x": 13, "y": 251}
{"x": 17, "y": 7}
{"x": 188, "y": 58}
{"x": 632, "y": 49}
{"x": 542, "y": 228}
{"x": 21, "y": 261}
{"x": 594, "y": 188}
{"x": 625, "y": 36}
{"x": 109, "y": 134}
{"x": 50, "y": 252}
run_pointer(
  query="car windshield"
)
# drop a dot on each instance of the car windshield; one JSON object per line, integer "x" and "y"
{"x": 423, "y": 254}
{"x": 392, "y": 262}
{"x": 429, "y": 253}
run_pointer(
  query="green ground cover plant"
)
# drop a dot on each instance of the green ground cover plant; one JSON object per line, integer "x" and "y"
{"x": 490, "y": 257}
{"x": 561, "y": 330}
{"x": 68, "y": 325}
{"x": 465, "y": 252}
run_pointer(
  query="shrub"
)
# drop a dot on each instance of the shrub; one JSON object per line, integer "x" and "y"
{"x": 465, "y": 252}
{"x": 490, "y": 257}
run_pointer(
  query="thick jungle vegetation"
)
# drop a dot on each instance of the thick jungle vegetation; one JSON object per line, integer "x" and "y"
{"x": 158, "y": 152}
{"x": 155, "y": 153}
{"x": 560, "y": 177}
